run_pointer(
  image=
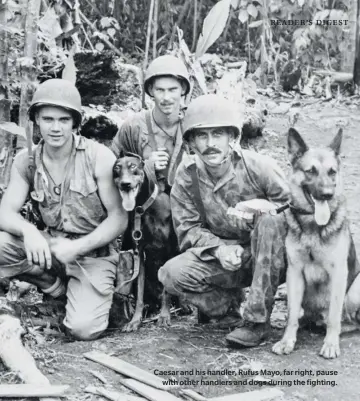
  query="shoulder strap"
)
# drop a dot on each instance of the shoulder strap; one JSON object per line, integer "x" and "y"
{"x": 31, "y": 169}
{"x": 251, "y": 178}
{"x": 196, "y": 192}
{"x": 150, "y": 130}
{"x": 33, "y": 214}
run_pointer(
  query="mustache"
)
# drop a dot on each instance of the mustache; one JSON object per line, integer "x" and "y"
{"x": 210, "y": 150}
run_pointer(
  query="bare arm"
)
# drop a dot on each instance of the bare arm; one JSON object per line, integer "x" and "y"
{"x": 116, "y": 222}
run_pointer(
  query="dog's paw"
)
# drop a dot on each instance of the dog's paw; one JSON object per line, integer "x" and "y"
{"x": 284, "y": 346}
{"x": 330, "y": 349}
{"x": 164, "y": 320}
{"x": 132, "y": 326}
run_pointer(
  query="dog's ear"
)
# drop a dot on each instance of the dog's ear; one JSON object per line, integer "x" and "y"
{"x": 116, "y": 170}
{"x": 122, "y": 154}
{"x": 335, "y": 145}
{"x": 296, "y": 145}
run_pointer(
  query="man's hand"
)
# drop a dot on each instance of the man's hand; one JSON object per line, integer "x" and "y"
{"x": 160, "y": 158}
{"x": 244, "y": 213}
{"x": 255, "y": 206}
{"x": 229, "y": 256}
{"x": 64, "y": 249}
{"x": 36, "y": 247}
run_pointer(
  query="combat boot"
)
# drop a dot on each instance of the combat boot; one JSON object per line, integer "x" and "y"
{"x": 249, "y": 335}
{"x": 231, "y": 320}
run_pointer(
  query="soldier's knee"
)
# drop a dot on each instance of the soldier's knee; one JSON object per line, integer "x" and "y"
{"x": 168, "y": 275}
{"x": 276, "y": 223}
{"x": 4, "y": 240}
{"x": 5, "y": 247}
{"x": 84, "y": 329}
{"x": 174, "y": 275}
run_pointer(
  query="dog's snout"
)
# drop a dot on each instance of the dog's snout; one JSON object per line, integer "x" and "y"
{"x": 125, "y": 186}
{"x": 326, "y": 196}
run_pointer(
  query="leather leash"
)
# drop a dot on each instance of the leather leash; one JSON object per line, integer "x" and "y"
{"x": 137, "y": 233}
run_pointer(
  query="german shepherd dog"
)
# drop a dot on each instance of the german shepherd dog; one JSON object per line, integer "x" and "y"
{"x": 156, "y": 239}
{"x": 322, "y": 265}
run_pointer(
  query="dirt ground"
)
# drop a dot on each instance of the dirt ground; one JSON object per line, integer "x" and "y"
{"x": 188, "y": 346}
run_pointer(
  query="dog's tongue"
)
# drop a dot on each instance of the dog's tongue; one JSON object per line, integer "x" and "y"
{"x": 322, "y": 212}
{"x": 128, "y": 200}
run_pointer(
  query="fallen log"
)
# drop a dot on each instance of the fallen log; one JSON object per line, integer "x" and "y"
{"x": 31, "y": 390}
{"x": 14, "y": 355}
{"x": 126, "y": 369}
{"x": 336, "y": 76}
{"x": 19, "y": 360}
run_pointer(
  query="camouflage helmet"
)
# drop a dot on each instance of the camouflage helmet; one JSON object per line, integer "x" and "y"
{"x": 167, "y": 66}
{"x": 210, "y": 111}
{"x": 57, "y": 92}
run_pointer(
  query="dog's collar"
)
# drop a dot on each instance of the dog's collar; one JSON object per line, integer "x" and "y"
{"x": 279, "y": 209}
{"x": 290, "y": 206}
{"x": 299, "y": 210}
{"x": 142, "y": 209}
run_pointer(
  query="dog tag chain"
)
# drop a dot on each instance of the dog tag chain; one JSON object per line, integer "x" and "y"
{"x": 56, "y": 187}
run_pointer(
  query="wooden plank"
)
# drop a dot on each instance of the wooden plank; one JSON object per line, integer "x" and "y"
{"x": 152, "y": 394}
{"x": 31, "y": 390}
{"x": 112, "y": 395}
{"x": 257, "y": 395}
{"x": 127, "y": 369}
{"x": 193, "y": 395}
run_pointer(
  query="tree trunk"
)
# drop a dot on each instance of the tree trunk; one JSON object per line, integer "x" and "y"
{"x": 357, "y": 53}
{"x": 263, "y": 53}
{"x": 6, "y": 139}
{"x": 178, "y": 22}
{"x": 195, "y": 22}
{"x": 349, "y": 54}
{"x": 29, "y": 73}
{"x": 155, "y": 27}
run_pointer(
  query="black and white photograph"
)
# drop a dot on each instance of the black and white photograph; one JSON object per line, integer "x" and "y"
{"x": 179, "y": 192}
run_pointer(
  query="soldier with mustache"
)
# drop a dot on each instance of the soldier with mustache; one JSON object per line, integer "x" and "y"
{"x": 221, "y": 254}
{"x": 156, "y": 135}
